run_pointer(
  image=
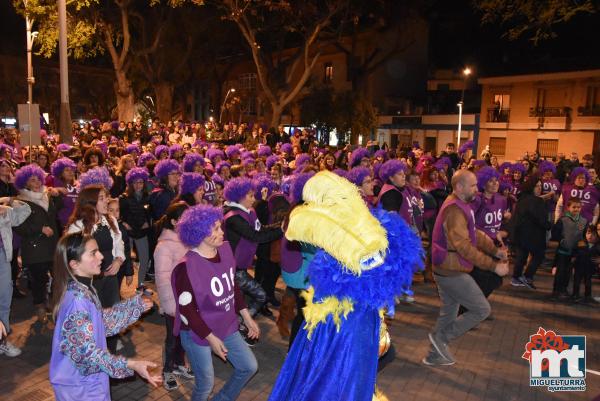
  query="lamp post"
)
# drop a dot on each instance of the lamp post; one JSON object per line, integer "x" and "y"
{"x": 223, "y": 105}
{"x": 30, "y": 79}
{"x": 64, "y": 130}
{"x": 466, "y": 72}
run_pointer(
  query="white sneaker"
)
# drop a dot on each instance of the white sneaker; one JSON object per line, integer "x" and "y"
{"x": 9, "y": 349}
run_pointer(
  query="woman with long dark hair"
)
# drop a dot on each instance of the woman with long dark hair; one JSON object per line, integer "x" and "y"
{"x": 191, "y": 190}
{"x": 80, "y": 364}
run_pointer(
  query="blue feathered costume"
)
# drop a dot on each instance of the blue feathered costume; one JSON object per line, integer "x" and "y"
{"x": 334, "y": 356}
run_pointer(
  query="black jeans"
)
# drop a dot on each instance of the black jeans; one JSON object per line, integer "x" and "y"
{"x": 563, "y": 273}
{"x": 537, "y": 257}
{"x": 38, "y": 273}
{"x": 250, "y": 287}
{"x": 174, "y": 352}
{"x": 267, "y": 273}
{"x": 299, "y": 319}
{"x": 583, "y": 272}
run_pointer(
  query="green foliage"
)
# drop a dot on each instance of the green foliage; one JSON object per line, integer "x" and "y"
{"x": 533, "y": 19}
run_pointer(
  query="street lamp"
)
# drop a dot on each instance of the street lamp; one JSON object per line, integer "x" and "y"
{"x": 30, "y": 78}
{"x": 225, "y": 101}
{"x": 466, "y": 72}
{"x": 151, "y": 100}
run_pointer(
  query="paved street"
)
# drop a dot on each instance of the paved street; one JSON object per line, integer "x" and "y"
{"x": 489, "y": 364}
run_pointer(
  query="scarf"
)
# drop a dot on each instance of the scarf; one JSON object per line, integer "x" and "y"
{"x": 39, "y": 198}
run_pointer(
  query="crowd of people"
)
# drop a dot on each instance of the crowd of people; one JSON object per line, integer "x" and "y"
{"x": 194, "y": 206}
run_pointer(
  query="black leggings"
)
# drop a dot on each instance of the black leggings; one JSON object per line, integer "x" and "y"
{"x": 537, "y": 257}
{"x": 38, "y": 273}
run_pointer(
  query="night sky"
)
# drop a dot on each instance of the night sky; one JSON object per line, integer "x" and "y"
{"x": 456, "y": 39}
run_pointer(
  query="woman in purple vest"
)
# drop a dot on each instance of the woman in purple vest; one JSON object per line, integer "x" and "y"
{"x": 80, "y": 364}
{"x": 393, "y": 195}
{"x": 578, "y": 187}
{"x": 550, "y": 186}
{"x": 208, "y": 301}
{"x": 63, "y": 179}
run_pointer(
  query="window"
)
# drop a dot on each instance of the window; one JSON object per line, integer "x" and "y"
{"x": 328, "y": 72}
{"x": 247, "y": 81}
{"x": 498, "y": 146}
{"x": 500, "y": 111}
{"x": 592, "y": 99}
{"x": 547, "y": 147}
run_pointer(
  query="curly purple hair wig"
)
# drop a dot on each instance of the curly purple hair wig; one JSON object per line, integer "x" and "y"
{"x": 505, "y": 185}
{"x": 232, "y": 151}
{"x": 246, "y": 154}
{"x": 160, "y": 149}
{"x": 263, "y": 181}
{"x": 237, "y": 188}
{"x": 221, "y": 165}
{"x": 577, "y": 171}
{"x": 357, "y": 155}
{"x": 504, "y": 166}
{"x": 196, "y": 223}
{"x": 466, "y": 146}
{"x": 357, "y": 175}
{"x": 132, "y": 148}
{"x": 302, "y": 160}
{"x": 96, "y": 176}
{"x": 286, "y": 148}
{"x": 137, "y": 173}
{"x": 484, "y": 175}
{"x": 25, "y": 173}
{"x": 391, "y": 167}
{"x": 95, "y": 123}
{"x": 517, "y": 167}
{"x": 114, "y": 125}
{"x": 145, "y": 158}
{"x": 165, "y": 167}
{"x": 264, "y": 151}
{"x": 299, "y": 180}
{"x": 340, "y": 172}
{"x": 271, "y": 161}
{"x": 381, "y": 153}
{"x": 60, "y": 165}
{"x": 175, "y": 148}
{"x": 213, "y": 153}
{"x": 63, "y": 147}
{"x": 190, "y": 160}
{"x": 190, "y": 182}
{"x": 545, "y": 166}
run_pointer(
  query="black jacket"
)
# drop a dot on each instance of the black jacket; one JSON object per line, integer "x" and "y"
{"x": 135, "y": 213}
{"x": 36, "y": 247}
{"x": 236, "y": 227}
{"x": 529, "y": 223}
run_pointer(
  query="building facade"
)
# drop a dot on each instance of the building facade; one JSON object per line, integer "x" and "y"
{"x": 553, "y": 114}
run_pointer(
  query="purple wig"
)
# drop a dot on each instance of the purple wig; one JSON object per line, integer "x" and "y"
{"x": 357, "y": 155}
{"x": 102, "y": 146}
{"x": 218, "y": 180}
{"x": 445, "y": 161}
{"x": 222, "y": 164}
{"x": 160, "y": 149}
{"x": 299, "y": 180}
{"x": 248, "y": 161}
{"x": 165, "y": 167}
{"x": 517, "y": 167}
{"x": 237, "y": 188}
{"x": 428, "y": 158}
{"x": 25, "y": 173}
{"x": 466, "y": 146}
{"x": 190, "y": 160}
{"x": 579, "y": 171}
{"x": 137, "y": 173}
{"x": 190, "y": 182}
{"x": 416, "y": 145}
{"x": 132, "y": 148}
{"x": 340, "y": 172}
{"x": 271, "y": 161}
{"x": 175, "y": 148}
{"x": 302, "y": 160}
{"x": 63, "y": 147}
{"x": 95, "y": 123}
{"x": 96, "y": 176}
{"x": 212, "y": 153}
{"x": 546, "y": 165}
{"x": 196, "y": 224}
{"x": 505, "y": 185}
{"x": 247, "y": 155}
{"x": 286, "y": 148}
{"x": 357, "y": 175}
{"x": 145, "y": 158}
{"x": 381, "y": 153}
{"x": 263, "y": 181}
{"x": 479, "y": 163}
{"x": 485, "y": 175}
{"x": 60, "y": 165}
{"x": 114, "y": 125}
{"x": 504, "y": 166}
{"x": 264, "y": 151}
{"x": 390, "y": 168}
{"x": 232, "y": 151}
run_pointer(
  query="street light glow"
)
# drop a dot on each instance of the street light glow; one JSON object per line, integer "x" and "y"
{"x": 467, "y": 71}
{"x": 232, "y": 89}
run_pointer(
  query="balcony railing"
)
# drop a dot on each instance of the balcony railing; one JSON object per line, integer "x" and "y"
{"x": 588, "y": 111}
{"x": 495, "y": 115}
{"x": 549, "y": 112}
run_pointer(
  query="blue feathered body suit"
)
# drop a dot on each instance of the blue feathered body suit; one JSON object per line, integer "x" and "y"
{"x": 334, "y": 357}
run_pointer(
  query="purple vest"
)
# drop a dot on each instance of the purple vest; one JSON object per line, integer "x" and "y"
{"x": 68, "y": 201}
{"x": 588, "y": 195}
{"x": 439, "y": 246}
{"x": 548, "y": 186}
{"x": 245, "y": 250}
{"x": 406, "y": 211}
{"x": 213, "y": 285}
{"x": 489, "y": 213}
{"x": 291, "y": 256}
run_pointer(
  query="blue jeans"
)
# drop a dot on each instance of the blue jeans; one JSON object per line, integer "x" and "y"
{"x": 238, "y": 354}
{"x": 6, "y": 288}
